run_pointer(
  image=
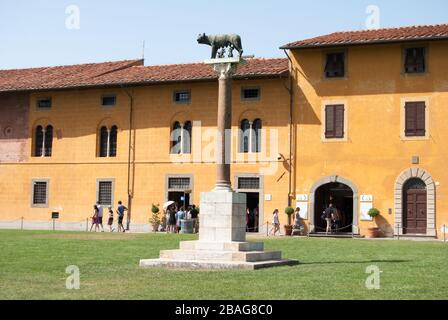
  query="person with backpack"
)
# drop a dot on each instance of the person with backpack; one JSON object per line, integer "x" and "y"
{"x": 120, "y": 212}
{"x": 328, "y": 216}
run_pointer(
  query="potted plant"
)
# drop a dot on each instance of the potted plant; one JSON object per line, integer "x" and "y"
{"x": 374, "y": 231}
{"x": 288, "y": 228}
{"x": 155, "y": 218}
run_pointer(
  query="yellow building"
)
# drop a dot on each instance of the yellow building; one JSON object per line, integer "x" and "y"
{"x": 70, "y": 144}
{"x": 362, "y": 127}
{"x": 370, "y": 110}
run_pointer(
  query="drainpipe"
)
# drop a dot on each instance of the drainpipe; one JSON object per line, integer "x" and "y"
{"x": 130, "y": 157}
{"x": 291, "y": 124}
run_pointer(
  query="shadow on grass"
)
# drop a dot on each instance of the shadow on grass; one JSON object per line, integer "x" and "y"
{"x": 354, "y": 262}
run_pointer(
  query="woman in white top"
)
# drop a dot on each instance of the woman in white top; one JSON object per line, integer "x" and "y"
{"x": 275, "y": 222}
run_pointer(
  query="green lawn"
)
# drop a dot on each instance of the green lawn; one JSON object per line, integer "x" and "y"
{"x": 32, "y": 266}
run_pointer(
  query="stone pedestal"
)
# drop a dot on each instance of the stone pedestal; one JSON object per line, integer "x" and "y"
{"x": 222, "y": 240}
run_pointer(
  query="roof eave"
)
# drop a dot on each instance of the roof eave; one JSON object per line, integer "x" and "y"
{"x": 283, "y": 74}
{"x": 361, "y": 43}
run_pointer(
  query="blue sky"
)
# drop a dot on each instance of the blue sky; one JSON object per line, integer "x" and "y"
{"x": 34, "y": 33}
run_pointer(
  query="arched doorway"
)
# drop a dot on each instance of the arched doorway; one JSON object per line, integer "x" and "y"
{"x": 341, "y": 196}
{"x": 345, "y": 196}
{"x": 415, "y": 213}
{"x": 412, "y": 180}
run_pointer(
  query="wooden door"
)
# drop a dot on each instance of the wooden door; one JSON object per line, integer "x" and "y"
{"x": 415, "y": 219}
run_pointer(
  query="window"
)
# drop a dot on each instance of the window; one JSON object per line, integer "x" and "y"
{"x": 181, "y": 137}
{"x": 182, "y": 97}
{"x": 179, "y": 183}
{"x": 43, "y": 141}
{"x": 334, "y": 121}
{"x": 44, "y": 103}
{"x": 415, "y": 60}
{"x": 109, "y": 100}
{"x": 39, "y": 193}
{"x": 250, "y": 136}
{"x": 108, "y": 142}
{"x": 335, "y": 65}
{"x": 415, "y": 119}
{"x": 105, "y": 192}
{"x": 250, "y": 93}
{"x": 250, "y": 183}
{"x": 256, "y": 140}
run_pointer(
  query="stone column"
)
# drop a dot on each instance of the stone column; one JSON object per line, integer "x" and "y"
{"x": 223, "y": 145}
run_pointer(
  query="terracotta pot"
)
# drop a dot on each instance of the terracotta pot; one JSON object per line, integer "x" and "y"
{"x": 288, "y": 230}
{"x": 374, "y": 232}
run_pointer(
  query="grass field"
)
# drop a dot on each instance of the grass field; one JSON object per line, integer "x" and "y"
{"x": 33, "y": 264}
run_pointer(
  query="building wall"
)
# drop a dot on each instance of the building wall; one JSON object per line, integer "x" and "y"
{"x": 374, "y": 154}
{"x": 14, "y": 110}
{"x": 74, "y": 167}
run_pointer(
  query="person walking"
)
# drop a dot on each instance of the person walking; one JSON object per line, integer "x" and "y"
{"x": 336, "y": 217}
{"x": 275, "y": 222}
{"x": 194, "y": 215}
{"x": 172, "y": 219}
{"x": 180, "y": 215}
{"x": 110, "y": 222}
{"x": 328, "y": 215}
{"x": 120, "y": 212}
{"x": 94, "y": 219}
{"x": 100, "y": 216}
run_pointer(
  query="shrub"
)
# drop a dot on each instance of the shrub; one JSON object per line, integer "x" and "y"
{"x": 289, "y": 211}
{"x": 374, "y": 212}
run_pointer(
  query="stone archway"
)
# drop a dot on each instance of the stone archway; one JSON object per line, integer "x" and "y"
{"x": 431, "y": 199}
{"x": 334, "y": 179}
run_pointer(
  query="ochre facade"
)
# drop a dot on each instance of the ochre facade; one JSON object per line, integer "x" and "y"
{"x": 372, "y": 165}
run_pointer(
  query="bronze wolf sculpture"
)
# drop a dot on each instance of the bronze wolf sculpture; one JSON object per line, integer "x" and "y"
{"x": 217, "y": 42}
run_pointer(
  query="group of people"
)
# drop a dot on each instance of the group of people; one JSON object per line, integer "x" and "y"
{"x": 276, "y": 221}
{"x": 98, "y": 213}
{"x": 174, "y": 214}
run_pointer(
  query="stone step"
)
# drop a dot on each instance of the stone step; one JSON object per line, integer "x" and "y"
{"x": 222, "y": 246}
{"x": 212, "y": 265}
{"x": 203, "y": 255}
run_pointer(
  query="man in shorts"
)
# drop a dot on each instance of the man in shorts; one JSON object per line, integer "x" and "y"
{"x": 100, "y": 216}
{"x": 120, "y": 212}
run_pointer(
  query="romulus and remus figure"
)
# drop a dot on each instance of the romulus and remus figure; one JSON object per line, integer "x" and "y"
{"x": 221, "y": 42}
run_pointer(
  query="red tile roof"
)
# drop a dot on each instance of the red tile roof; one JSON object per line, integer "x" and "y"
{"x": 404, "y": 34}
{"x": 128, "y": 73}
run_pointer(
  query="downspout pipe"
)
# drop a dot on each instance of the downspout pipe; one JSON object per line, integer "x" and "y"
{"x": 291, "y": 125}
{"x": 130, "y": 147}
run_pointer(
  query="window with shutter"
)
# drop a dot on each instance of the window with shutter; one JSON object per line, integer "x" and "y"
{"x": 415, "y": 60}
{"x": 335, "y": 65}
{"x": 415, "y": 119}
{"x": 334, "y": 121}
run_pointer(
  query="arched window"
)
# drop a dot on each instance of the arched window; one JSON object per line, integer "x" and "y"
{"x": 256, "y": 141}
{"x": 186, "y": 138}
{"x": 103, "y": 142}
{"x": 108, "y": 142}
{"x": 39, "y": 142}
{"x": 48, "y": 141}
{"x": 176, "y": 138}
{"x": 244, "y": 136}
{"x": 250, "y": 136}
{"x": 113, "y": 142}
{"x": 43, "y": 143}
